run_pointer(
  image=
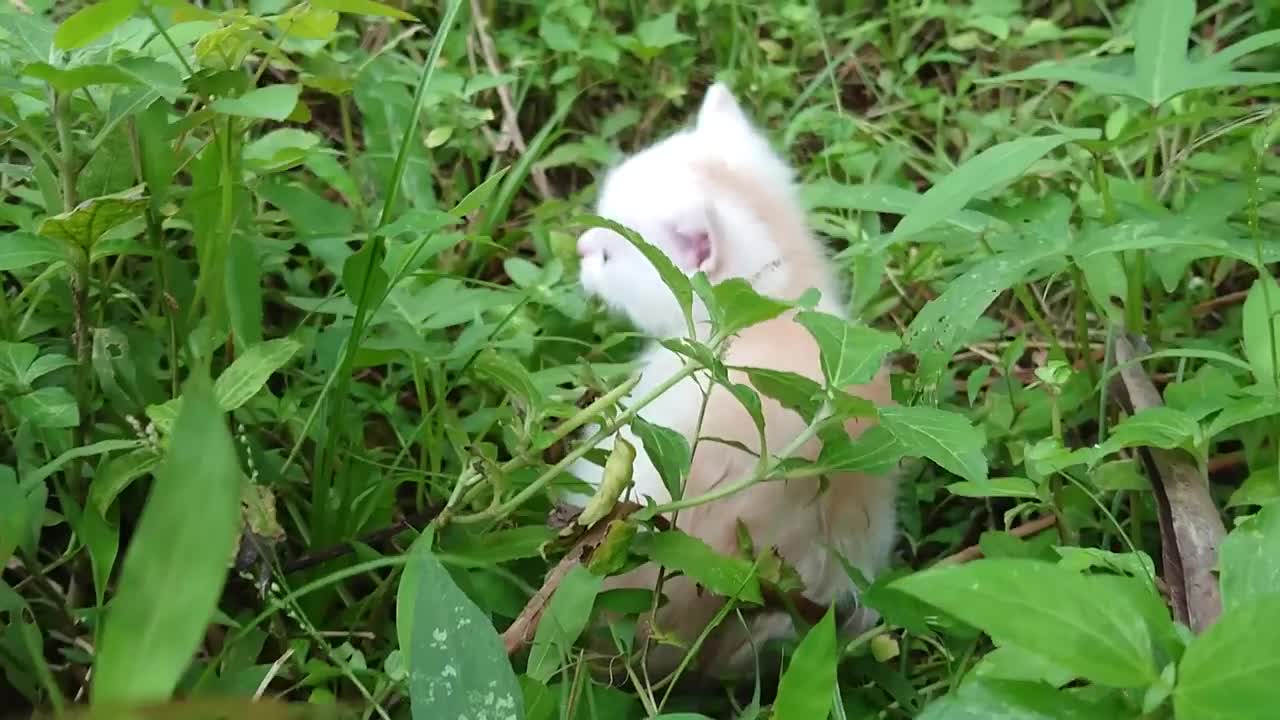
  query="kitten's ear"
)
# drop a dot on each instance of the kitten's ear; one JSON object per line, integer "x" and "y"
{"x": 721, "y": 112}
{"x": 699, "y": 246}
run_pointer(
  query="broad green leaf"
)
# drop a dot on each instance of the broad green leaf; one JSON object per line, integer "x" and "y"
{"x": 92, "y": 22}
{"x": 721, "y": 574}
{"x": 944, "y": 437}
{"x": 38, "y": 476}
{"x": 479, "y": 195}
{"x": 1094, "y": 626}
{"x": 808, "y": 685}
{"x": 506, "y": 372}
{"x": 794, "y": 392}
{"x": 1249, "y": 566}
{"x": 243, "y": 280}
{"x": 364, "y": 7}
{"x": 992, "y": 699}
{"x": 246, "y": 376}
{"x": 676, "y": 281}
{"x": 142, "y": 72}
{"x": 1160, "y": 47}
{"x": 951, "y": 315}
{"x": 176, "y": 563}
{"x": 1230, "y": 671}
{"x": 988, "y": 169}
{"x": 738, "y": 306}
{"x": 1239, "y": 412}
{"x": 47, "y": 407}
{"x": 667, "y": 450}
{"x": 1262, "y": 487}
{"x": 14, "y": 520}
{"x": 92, "y": 218}
{"x": 20, "y": 250}
{"x": 828, "y": 194}
{"x": 1161, "y": 427}
{"x": 363, "y": 277}
{"x": 1012, "y": 487}
{"x": 1262, "y": 338}
{"x": 457, "y": 666}
{"x": 1138, "y": 564}
{"x": 558, "y": 37}
{"x": 850, "y": 354}
{"x": 273, "y": 102}
{"x": 563, "y": 621}
{"x": 1010, "y": 662}
{"x": 660, "y": 32}
{"x": 309, "y": 22}
{"x": 118, "y": 473}
{"x": 280, "y": 148}
{"x": 874, "y": 452}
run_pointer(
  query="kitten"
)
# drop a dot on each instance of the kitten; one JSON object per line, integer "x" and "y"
{"x": 717, "y": 198}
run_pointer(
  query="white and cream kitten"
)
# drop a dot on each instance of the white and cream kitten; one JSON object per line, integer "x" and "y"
{"x": 716, "y": 198}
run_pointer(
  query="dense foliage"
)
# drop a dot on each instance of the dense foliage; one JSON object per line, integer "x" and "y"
{"x": 292, "y": 357}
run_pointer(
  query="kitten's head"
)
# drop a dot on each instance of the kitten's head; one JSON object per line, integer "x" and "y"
{"x": 708, "y": 197}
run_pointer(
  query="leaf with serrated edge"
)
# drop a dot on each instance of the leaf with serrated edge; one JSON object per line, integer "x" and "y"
{"x": 944, "y": 437}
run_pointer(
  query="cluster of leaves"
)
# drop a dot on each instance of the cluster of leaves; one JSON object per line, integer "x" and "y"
{"x": 273, "y": 274}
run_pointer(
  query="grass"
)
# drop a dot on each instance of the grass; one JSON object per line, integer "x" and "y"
{"x": 304, "y": 276}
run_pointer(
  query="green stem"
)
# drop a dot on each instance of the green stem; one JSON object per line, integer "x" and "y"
{"x": 1029, "y": 304}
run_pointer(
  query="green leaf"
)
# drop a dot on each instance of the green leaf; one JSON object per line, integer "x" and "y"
{"x": 457, "y": 665}
{"x": 1239, "y": 412}
{"x": 91, "y": 219}
{"x": 364, "y": 7}
{"x": 1161, "y": 427}
{"x": 479, "y": 195}
{"x": 176, "y": 563}
{"x": 20, "y": 250}
{"x": 118, "y": 473}
{"x": 874, "y": 452}
{"x": 850, "y": 354}
{"x": 1137, "y": 564}
{"x": 273, "y": 102}
{"x": 992, "y": 699}
{"x": 92, "y": 22}
{"x": 47, "y": 407}
{"x": 243, "y": 280}
{"x": 794, "y": 392}
{"x": 944, "y": 437}
{"x": 563, "y": 621}
{"x": 1249, "y": 566}
{"x": 948, "y": 317}
{"x": 660, "y": 32}
{"x": 14, "y": 519}
{"x": 808, "y": 686}
{"x": 1230, "y": 671}
{"x": 1093, "y": 625}
{"x": 1261, "y": 487}
{"x": 363, "y": 277}
{"x": 667, "y": 450}
{"x": 141, "y": 72}
{"x": 988, "y": 169}
{"x": 676, "y": 281}
{"x": 1012, "y": 487}
{"x": 246, "y": 376}
{"x": 738, "y": 306}
{"x": 1260, "y": 336}
{"x": 558, "y": 37}
{"x": 1160, "y": 47}
{"x": 721, "y": 574}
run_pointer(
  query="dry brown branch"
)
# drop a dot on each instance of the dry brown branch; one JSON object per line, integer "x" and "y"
{"x": 1190, "y": 525}
{"x": 1026, "y": 529}
{"x": 510, "y": 123}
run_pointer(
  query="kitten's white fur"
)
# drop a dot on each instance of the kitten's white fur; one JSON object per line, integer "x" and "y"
{"x": 717, "y": 198}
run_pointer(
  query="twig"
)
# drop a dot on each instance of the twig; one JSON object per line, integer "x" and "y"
{"x": 510, "y": 124}
{"x": 521, "y": 631}
{"x": 1026, "y": 529}
{"x": 1209, "y": 306}
{"x": 1190, "y": 526}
